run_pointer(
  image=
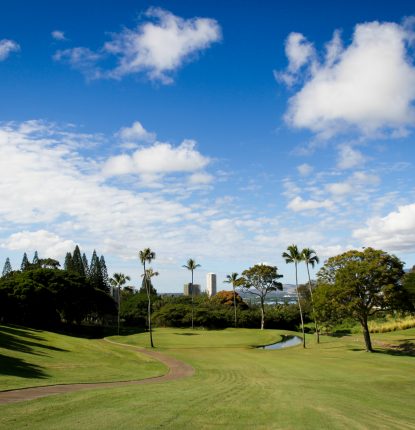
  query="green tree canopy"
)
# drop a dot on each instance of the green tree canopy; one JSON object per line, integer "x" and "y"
{"x": 260, "y": 280}
{"x": 358, "y": 284}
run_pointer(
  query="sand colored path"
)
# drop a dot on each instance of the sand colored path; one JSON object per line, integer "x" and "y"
{"x": 177, "y": 370}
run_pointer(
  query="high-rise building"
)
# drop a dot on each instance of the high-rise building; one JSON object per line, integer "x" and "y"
{"x": 211, "y": 284}
{"x": 187, "y": 289}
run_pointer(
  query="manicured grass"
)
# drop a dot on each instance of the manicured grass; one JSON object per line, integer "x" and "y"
{"x": 33, "y": 357}
{"x": 334, "y": 385}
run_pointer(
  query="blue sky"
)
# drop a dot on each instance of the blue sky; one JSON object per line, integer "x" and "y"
{"x": 221, "y": 132}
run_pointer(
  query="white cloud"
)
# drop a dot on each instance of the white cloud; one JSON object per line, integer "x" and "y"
{"x": 349, "y": 157}
{"x": 353, "y": 184}
{"x": 299, "y": 205}
{"x": 200, "y": 178}
{"x": 82, "y": 59}
{"x": 340, "y": 188}
{"x": 299, "y": 53}
{"x": 305, "y": 169}
{"x": 157, "y": 47}
{"x": 161, "y": 46}
{"x": 159, "y": 158}
{"x": 58, "y": 35}
{"x": 368, "y": 85}
{"x": 7, "y": 47}
{"x": 394, "y": 232}
{"x": 136, "y": 133}
{"x": 48, "y": 244}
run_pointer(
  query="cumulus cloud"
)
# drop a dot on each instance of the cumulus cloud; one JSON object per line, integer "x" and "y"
{"x": 159, "y": 158}
{"x": 58, "y": 35}
{"x": 368, "y": 86}
{"x": 394, "y": 232}
{"x": 7, "y": 47}
{"x": 297, "y": 204}
{"x": 136, "y": 133}
{"x": 48, "y": 244}
{"x": 157, "y": 47}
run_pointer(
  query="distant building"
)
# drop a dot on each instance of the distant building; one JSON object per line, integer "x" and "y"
{"x": 211, "y": 284}
{"x": 187, "y": 289}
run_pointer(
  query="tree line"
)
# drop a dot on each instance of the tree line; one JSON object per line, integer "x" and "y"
{"x": 41, "y": 294}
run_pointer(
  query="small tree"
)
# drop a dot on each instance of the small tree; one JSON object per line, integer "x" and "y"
{"x": 147, "y": 255}
{"x": 68, "y": 264}
{"x": 359, "y": 284}
{"x": 259, "y": 281}
{"x": 7, "y": 268}
{"x": 117, "y": 281}
{"x": 104, "y": 273}
{"x": 191, "y": 265}
{"x": 235, "y": 281}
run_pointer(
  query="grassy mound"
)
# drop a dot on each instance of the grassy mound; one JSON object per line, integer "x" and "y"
{"x": 31, "y": 357}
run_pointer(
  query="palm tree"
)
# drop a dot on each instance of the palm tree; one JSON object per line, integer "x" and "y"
{"x": 191, "y": 265}
{"x": 294, "y": 256}
{"x": 234, "y": 280}
{"x": 310, "y": 258}
{"x": 117, "y": 280}
{"x": 147, "y": 255}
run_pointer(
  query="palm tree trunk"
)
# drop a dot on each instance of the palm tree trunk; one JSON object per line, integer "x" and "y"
{"x": 312, "y": 305}
{"x": 299, "y": 304}
{"x": 118, "y": 310}
{"x": 234, "y": 302}
{"x": 149, "y": 306}
{"x": 192, "y": 299}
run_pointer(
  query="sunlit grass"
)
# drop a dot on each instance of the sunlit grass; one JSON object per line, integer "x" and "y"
{"x": 334, "y": 385}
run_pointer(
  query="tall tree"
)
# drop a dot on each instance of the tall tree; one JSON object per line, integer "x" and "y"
{"x": 95, "y": 272}
{"x": 25, "y": 263}
{"x": 68, "y": 264}
{"x": 117, "y": 281}
{"x": 35, "y": 261}
{"x": 192, "y": 266}
{"x": 86, "y": 265}
{"x": 235, "y": 281}
{"x": 360, "y": 284}
{"x": 260, "y": 280}
{"x": 310, "y": 258}
{"x": 294, "y": 256}
{"x": 77, "y": 263}
{"x": 147, "y": 255}
{"x": 7, "y": 268}
{"x": 104, "y": 274}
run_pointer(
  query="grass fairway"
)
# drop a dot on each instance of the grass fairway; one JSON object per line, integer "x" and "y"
{"x": 334, "y": 385}
{"x": 33, "y": 357}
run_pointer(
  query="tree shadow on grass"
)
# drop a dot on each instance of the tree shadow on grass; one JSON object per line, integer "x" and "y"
{"x": 187, "y": 334}
{"x": 17, "y": 367}
{"x": 404, "y": 348}
{"x": 22, "y": 340}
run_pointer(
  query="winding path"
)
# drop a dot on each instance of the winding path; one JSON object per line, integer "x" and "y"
{"x": 177, "y": 369}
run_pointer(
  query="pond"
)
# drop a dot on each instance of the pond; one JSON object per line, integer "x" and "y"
{"x": 284, "y": 343}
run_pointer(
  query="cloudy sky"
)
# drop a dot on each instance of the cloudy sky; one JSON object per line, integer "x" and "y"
{"x": 221, "y": 131}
